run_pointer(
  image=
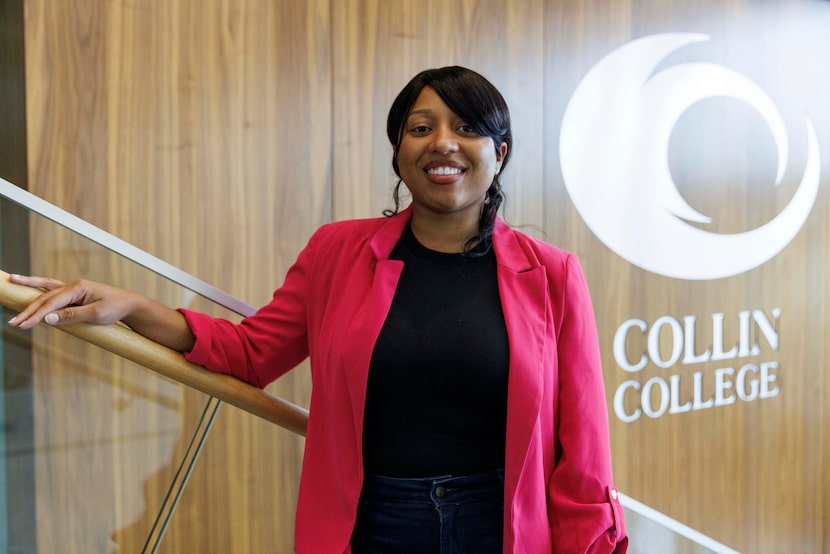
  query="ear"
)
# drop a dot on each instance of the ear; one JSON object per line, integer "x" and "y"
{"x": 501, "y": 152}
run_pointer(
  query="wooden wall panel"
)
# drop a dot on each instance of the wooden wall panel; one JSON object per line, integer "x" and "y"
{"x": 749, "y": 474}
{"x": 244, "y": 125}
{"x": 171, "y": 103}
{"x": 199, "y": 132}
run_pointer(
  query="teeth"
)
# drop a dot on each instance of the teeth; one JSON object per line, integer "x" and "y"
{"x": 444, "y": 171}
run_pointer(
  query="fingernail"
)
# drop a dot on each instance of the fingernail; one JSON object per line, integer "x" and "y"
{"x": 12, "y": 320}
{"x": 51, "y": 319}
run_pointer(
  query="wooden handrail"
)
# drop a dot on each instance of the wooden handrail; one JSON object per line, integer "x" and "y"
{"x": 123, "y": 341}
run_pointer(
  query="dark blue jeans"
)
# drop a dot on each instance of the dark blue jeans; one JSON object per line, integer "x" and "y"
{"x": 434, "y": 515}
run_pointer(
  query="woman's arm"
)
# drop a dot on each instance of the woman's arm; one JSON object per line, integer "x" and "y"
{"x": 91, "y": 302}
{"x": 586, "y": 513}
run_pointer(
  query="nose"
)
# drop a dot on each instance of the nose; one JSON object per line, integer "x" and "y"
{"x": 443, "y": 140}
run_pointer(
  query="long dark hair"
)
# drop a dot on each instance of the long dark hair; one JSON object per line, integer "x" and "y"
{"x": 475, "y": 100}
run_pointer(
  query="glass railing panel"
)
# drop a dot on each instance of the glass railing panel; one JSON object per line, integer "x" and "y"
{"x": 90, "y": 442}
{"x": 649, "y": 537}
{"x": 652, "y": 532}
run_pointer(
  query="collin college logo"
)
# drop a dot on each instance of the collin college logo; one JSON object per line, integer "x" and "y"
{"x": 614, "y": 155}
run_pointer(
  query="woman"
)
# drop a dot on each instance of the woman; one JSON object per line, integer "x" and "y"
{"x": 458, "y": 402}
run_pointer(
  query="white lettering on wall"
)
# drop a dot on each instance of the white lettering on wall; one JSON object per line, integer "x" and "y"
{"x": 744, "y": 340}
{"x": 668, "y": 343}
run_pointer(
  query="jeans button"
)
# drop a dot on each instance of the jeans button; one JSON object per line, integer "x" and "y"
{"x": 440, "y": 491}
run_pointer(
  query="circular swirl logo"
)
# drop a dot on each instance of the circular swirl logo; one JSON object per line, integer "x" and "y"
{"x": 614, "y": 146}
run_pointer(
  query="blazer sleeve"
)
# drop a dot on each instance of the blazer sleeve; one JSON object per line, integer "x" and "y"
{"x": 585, "y": 512}
{"x": 265, "y": 345}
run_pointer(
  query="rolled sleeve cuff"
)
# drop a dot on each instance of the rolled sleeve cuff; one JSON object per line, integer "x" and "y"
{"x": 202, "y": 329}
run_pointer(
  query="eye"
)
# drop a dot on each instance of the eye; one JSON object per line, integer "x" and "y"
{"x": 467, "y": 129}
{"x": 419, "y": 130}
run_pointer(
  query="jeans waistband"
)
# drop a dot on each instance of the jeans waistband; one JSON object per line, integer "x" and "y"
{"x": 443, "y": 489}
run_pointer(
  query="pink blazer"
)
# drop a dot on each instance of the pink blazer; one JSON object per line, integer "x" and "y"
{"x": 559, "y": 495}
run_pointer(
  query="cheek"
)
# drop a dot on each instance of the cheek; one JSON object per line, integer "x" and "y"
{"x": 405, "y": 157}
{"x": 406, "y": 165}
{"x": 487, "y": 159}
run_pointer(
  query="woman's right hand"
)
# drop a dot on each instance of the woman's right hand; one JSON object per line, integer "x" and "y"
{"x": 90, "y": 302}
{"x": 78, "y": 301}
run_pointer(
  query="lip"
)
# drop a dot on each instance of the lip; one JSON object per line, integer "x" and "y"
{"x": 443, "y": 163}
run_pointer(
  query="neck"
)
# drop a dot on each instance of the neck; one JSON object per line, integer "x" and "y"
{"x": 443, "y": 233}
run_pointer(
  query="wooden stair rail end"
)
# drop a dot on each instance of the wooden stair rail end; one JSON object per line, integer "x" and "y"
{"x": 123, "y": 341}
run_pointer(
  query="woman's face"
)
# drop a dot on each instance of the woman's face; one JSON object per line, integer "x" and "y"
{"x": 445, "y": 165}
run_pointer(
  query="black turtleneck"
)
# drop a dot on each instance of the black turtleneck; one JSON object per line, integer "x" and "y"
{"x": 437, "y": 392}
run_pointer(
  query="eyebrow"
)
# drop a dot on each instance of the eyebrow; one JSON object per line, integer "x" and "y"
{"x": 420, "y": 112}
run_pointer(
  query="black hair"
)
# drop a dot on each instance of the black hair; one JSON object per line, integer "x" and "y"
{"x": 475, "y": 100}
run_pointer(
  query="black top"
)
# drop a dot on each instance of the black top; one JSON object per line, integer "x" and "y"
{"x": 436, "y": 399}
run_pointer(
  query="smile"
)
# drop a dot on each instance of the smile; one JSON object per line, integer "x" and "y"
{"x": 444, "y": 170}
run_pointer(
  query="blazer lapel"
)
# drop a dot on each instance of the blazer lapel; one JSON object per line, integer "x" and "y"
{"x": 523, "y": 287}
{"x": 374, "y": 303}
